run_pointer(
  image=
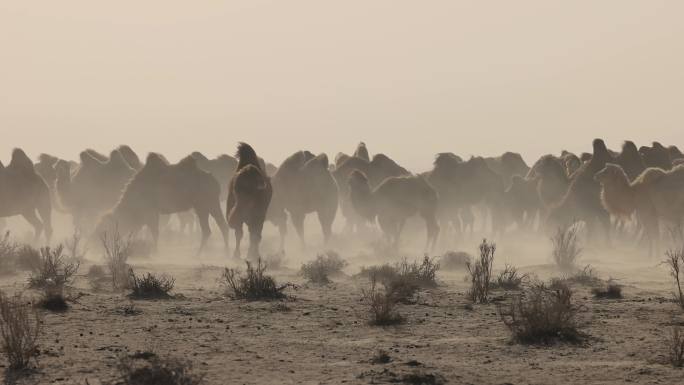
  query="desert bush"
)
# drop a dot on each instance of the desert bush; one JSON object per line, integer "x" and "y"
{"x": 19, "y": 328}
{"x": 381, "y": 304}
{"x": 319, "y": 270}
{"x": 510, "y": 279}
{"x": 566, "y": 249}
{"x": 455, "y": 260}
{"x": 586, "y": 276}
{"x": 150, "y": 286}
{"x": 8, "y": 254}
{"x": 674, "y": 259}
{"x": 150, "y": 369}
{"x": 53, "y": 271}
{"x": 383, "y": 273}
{"x": 480, "y": 273}
{"x": 405, "y": 278}
{"x": 117, "y": 250}
{"x": 75, "y": 246}
{"x": 254, "y": 285}
{"x": 676, "y": 346}
{"x": 542, "y": 315}
{"x": 610, "y": 290}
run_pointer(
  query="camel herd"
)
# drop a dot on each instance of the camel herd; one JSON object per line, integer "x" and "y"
{"x": 635, "y": 189}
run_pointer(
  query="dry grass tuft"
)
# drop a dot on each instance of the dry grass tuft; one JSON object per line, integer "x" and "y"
{"x": 674, "y": 259}
{"x": 480, "y": 273}
{"x": 610, "y": 291}
{"x": 542, "y": 315}
{"x": 9, "y": 251}
{"x": 19, "y": 328}
{"x": 150, "y": 286}
{"x": 53, "y": 269}
{"x": 510, "y": 279}
{"x": 150, "y": 369}
{"x": 117, "y": 250}
{"x": 676, "y": 347}
{"x": 405, "y": 278}
{"x": 319, "y": 270}
{"x": 566, "y": 249}
{"x": 254, "y": 285}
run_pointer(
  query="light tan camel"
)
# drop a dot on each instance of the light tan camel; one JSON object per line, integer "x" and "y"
{"x": 394, "y": 201}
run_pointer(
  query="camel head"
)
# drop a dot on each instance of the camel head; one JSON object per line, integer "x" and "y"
{"x": 611, "y": 174}
{"x": 362, "y": 152}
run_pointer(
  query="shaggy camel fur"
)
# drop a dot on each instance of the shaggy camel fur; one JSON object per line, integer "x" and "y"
{"x": 583, "y": 198}
{"x": 302, "y": 185}
{"x": 394, "y": 201}
{"x": 656, "y": 196}
{"x": 160, "y": 188}
{"x": 656, "y": 156}
{"x": 630, "y": 160}
{"x": 24, "y": 192}
{"x": 94, "y": 188}
{"x": 249, "y": 196}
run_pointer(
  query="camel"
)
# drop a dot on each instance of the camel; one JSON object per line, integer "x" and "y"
{"x": 552, "y": 180}
{"x": 630, "y": 160}
{"x": 582, "y": 201}
{"x": 362, "y": 152}
{"x": 656, "y": 156}
{"x": 570, "y": 161}
{"x": 94, "y": 188}
{"x": 522, "y": 201}
{"x": 24, "y": 192}
{"x": 675, "y": 153}
{"x": 161, "y": 188}
{"x": 655, "y": 196}
{"x": 222, "y": 168}
{"x": 507, "y": 165}
{"x": 303, "y": 184}
{"x": 394, "y": 201}
{"x": 377, "y": 170}
{"x": 249, "y": 197}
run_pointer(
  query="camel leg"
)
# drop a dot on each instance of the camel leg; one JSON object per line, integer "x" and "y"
{"x": 255, "y": 229}
{"x": 153, "y": 226}
{"x": 217, "y": 214}
{"x": 238, "y": 240}
{"x": 282, "y": 230}
{"x": 45, "y": 212}
{"x": 326, "y": 221}
{"x": 298, "y": 223}
{"x": 432, "y": 228}
{"x": 203, "y": 217}
{"x": 32, "y": 219}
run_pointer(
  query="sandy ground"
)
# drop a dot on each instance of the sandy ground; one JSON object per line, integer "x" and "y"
{"x": 323, "y": 337}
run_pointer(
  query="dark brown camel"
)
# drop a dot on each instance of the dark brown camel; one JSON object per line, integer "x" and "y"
{"x": 656, "y": 156}
{"x": 249, "y": 196}
{"x": 24, "y": 192}
{"x": 630, "y": 160}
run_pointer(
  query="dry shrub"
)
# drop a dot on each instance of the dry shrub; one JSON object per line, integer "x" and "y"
{"x": 75, "y": 247}
{"x": 676, "y": 347}
{"x": 150, "y": 286}
{"x": 480, "y": 273}
{"x": 9, "y": 251}
{"x": 53, "y": 270}
{"x": 455, "y": 260}
{"x": 542, "y": 315}
{"x": 405, "y": 278}
{"x": 150, "y": 369}
{"x": 586, "y": 276}
{"x": 319, "y": 270}
{"x": 117, "y": 250}
{"x": 674, "y": 259}
{"x": 566, "y": 249}
{"x": 381, "y": 304}
{"x": 611, "y": 290}
{"x": 19, "y": 328}
{"x": 254, "y": 285}
{"x": 510, "y": 279}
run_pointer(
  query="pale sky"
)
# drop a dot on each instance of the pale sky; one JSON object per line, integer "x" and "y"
{"x": 410, "y": 78}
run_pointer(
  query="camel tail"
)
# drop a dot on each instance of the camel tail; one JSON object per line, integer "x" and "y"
{"x": 246, "y": 156}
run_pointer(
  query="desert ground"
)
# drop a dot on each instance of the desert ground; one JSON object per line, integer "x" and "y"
{"x": 320, "y": 334}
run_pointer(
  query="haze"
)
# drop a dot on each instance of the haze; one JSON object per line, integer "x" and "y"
{"x": 409, "y": 78}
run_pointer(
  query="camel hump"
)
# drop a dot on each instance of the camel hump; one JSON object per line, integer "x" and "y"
{"x": 362, "y": 151}
{"x": 629, "y": 146}
{"x": 21, "y": 160}
{"x": 116, "y": 159}
{"x": 130, "y": 156}
{"x": 47, "y": 159}
{"x": 246, "y": 156}
{"x": 199, "y": 157}
{"x": 100, "y": 157}
{"x": 651, "y": 175}
{"x": 87, "y": 159}
{"x": 2, "y": 166}
{"x": 357, "y": 176}
{"x": 155, "y": 160}
{"x": 188, "y": 163}
{"x": 320, "y": 160}
{"x": 63, "y": 165}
